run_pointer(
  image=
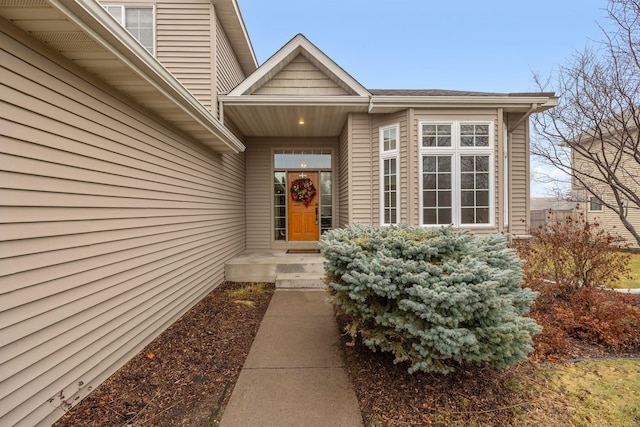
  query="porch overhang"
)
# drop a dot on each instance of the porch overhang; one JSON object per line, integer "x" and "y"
{"x": 324, "y": 116}
{"x": 86, "y": 34}
{"x": 278, "y": 116}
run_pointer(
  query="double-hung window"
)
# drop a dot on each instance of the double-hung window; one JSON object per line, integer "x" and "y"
{"x": 595, "y": 205}
{"x": 456, "y": 173}
{"x": 138, "y": 20}
{"x": 389, "y": 175}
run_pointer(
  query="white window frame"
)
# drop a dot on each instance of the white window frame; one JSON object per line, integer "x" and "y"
{"x": 122, "y": 22}
{"x": 589, "y": 204}
{"x": 456, "y": 151}
{"x": 393, "y": 154}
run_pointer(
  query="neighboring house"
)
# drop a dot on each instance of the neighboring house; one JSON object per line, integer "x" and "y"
{"x": 128, "y": 180}
{"x": 594, "y": 210}
{"x": 594, "y": 194}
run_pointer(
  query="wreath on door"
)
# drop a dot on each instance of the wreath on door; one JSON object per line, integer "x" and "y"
{"x": 303, "y": 190}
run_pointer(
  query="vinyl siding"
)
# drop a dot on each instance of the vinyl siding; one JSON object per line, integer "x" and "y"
{"x": 258, "y": 207}
{"x": 611, "y": 222}
{"x": 519, "y": 192}
{"x": 363, "y": 172}
{"x": 627, "y": 173}
{"x": 228, "y": 71}
{"x": 259, "y": 177}
{"x": 185, "y": 44}
{"x": 112, "y": 225}
{"x": 344, "y": 189}
{"x": 300, "y": 77}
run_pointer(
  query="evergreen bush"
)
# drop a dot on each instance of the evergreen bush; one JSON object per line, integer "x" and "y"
{"x": 431, "y": 297}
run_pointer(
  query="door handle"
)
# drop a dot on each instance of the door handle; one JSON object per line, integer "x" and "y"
{"x": 316, "y": 215}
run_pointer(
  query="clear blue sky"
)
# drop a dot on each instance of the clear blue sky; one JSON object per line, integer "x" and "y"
{"x": 490, "y": 45}
{"x": 475, "y": 45}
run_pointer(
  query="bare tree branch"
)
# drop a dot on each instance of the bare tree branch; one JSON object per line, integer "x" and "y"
{"x": 593, "y": 134}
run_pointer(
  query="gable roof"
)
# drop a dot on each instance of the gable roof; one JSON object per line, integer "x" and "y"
{"x": 296, "y": 47}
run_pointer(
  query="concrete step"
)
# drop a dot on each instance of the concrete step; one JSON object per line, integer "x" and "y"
{"x": 265, "y": 265}
{"x": 310, "y": 266}
{"x": 300, "y": 280}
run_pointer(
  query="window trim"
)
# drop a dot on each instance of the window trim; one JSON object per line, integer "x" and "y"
{"x": 456, "y": 151}
{"x": 123, "y": 7}
{"x": 389, "y": 155}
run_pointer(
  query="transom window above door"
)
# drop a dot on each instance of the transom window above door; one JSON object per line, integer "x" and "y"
{"x": 302, "y": 159}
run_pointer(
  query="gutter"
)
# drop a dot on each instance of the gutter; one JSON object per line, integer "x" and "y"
{"x": 536, "y": 103}
{"x": 381, "y": 104}
{"x": 135, "y": 57}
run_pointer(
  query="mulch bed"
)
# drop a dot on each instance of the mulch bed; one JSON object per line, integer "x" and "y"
{"x": 390, "y": 396}
{"x": 186, "y": 375}
{"x": 470, "y": 396}
{"x": 185, "y": 378}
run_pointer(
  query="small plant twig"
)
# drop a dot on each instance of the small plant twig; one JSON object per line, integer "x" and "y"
{"x": 141, "y": 410}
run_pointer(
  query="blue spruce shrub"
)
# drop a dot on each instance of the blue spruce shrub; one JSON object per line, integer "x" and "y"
{"x": 432, "y": 297}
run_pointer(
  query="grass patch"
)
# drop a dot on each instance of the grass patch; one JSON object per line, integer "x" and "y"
{"x": 633, "y": 281}
{"x": 598, "y": 392}
{"x": 248, "y": 292}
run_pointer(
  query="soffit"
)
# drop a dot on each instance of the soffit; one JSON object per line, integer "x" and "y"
{"x": 86, "y": 34}
{"x": 282, "y": 120}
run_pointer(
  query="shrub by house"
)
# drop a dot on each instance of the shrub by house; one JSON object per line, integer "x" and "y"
{"x": 432, "y": 297}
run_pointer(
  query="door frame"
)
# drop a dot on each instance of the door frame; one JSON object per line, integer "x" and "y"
{"x": 310, "y": 244}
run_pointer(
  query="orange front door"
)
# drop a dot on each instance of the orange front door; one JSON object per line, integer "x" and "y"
{"x": 303, "y": 217}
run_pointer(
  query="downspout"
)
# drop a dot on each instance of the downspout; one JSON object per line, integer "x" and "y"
{"x": 221, "y": 112}
{"x": 510, "y": 130}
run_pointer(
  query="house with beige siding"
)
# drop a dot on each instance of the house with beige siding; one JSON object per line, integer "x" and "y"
{"x": 142, "y": 148}
{"x": 616, "y": 211}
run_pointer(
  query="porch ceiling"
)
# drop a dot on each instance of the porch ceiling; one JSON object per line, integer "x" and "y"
{"x": 322, "y": 120}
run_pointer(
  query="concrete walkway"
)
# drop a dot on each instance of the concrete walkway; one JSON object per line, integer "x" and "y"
{"x": 294, "y": 374}
{"x": 635, "y": 291}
